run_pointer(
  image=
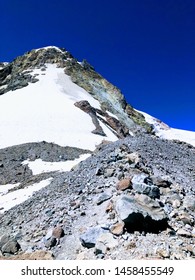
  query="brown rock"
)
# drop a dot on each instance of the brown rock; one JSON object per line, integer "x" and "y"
{"x": 117, "y": 229}
{"x": 124, "y": 184}
{"x": 110, "y": 207}
{"x": 37, "y": 255}
{"x": 165, "y": 253}
{"x": 133, "y": 158}
{"x": 58, "y": 232}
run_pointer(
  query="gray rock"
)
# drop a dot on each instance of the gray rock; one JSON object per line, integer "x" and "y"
{"x": 103, "y": 197}
{"x": 109, "y": 172}
{"x": 9, "y": 245}
{"x": 160, "y": 182}
{"x": 89, "y": 238}
{"x": 141, "y": 183}
{"x": 141, "y": 213}
{"x": 4, "y": 239}
{"x": 105, "y": 242}
{"x": 51, "y": 243}
{"x": 189, "y": 202}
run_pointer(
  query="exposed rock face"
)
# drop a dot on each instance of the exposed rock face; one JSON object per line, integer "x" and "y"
{"x": 18, "y": 73}
{"x": 87, "y": 108}
{"x": 120, "y": 130}
{"x": 109, "y": 96}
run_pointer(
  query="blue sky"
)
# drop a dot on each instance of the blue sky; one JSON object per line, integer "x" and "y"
{"x": 145, "y": 47}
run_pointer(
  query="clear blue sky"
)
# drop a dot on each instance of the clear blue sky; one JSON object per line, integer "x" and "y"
{"x": 145, "y": 47}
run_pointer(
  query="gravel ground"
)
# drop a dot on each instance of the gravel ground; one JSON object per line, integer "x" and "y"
{"x": 71, "y": 201}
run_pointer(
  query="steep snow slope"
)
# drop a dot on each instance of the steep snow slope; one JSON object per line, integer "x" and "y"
{"x": 45, "y": 111}
{"x": 164, "y": 131}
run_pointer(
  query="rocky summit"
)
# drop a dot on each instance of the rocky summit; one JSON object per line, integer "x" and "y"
{"x": 84, "y": 175}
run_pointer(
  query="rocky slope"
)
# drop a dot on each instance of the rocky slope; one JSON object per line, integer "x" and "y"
{"x": 133, "y": 198}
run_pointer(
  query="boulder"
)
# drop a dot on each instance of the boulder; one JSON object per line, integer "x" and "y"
{"x": 133, "y": 158}
{"x": 141, "y": 183}
{"x": 141, "y": 213}
{"x": 11, "y": 247}
{"x": 109, "y": 172}
{"x": 9, "y": 244}
{"x": 58, "y": 232}
{"x": 160, "y": 182}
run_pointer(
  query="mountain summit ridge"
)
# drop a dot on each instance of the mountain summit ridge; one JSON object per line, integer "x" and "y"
{"x": 17, "y": 75}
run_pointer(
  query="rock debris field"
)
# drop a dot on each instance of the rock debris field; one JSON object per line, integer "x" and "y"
{"x": 131, "y": 199}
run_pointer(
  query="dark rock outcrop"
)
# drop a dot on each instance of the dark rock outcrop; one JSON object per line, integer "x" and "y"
{"x": 19, "y": 73}
{"x": 87, "y": 108}
{"x": 115, "y": 125}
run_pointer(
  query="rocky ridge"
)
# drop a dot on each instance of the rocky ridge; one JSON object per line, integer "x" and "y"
{"x": 19, "y": 74}
{"x": 131, "y": 199}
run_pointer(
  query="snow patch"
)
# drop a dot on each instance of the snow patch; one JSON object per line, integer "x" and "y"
{"x": 164, "y": 131}
{"x": 45, "y": 111}
{"x": 5, "y": 188}
{"x": 50, "y": 47}
{"x": 11, "y": 199}
{"x": 39, "y": 166}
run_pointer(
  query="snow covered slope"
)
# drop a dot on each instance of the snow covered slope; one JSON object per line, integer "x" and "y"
{"x": 45, "y": 111}
{"x": 164, "y": 131}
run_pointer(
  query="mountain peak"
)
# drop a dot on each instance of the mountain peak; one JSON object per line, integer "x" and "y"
{"x": 17, "y": 74}
{"x": 20, "y": 73}
{"x": 56, "y": 112}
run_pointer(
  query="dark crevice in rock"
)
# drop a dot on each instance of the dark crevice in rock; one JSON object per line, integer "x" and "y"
{"x": 137, "y": 222}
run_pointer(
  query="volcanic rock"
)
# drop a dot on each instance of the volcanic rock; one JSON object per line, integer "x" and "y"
{"x": 141, "y": 213}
